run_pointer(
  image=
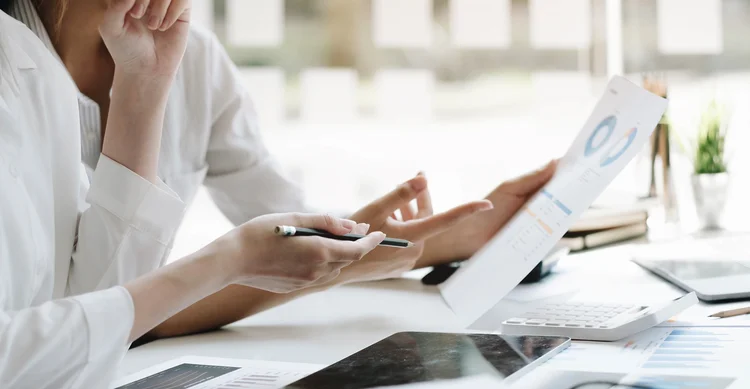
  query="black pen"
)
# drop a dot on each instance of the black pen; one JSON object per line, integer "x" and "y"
{"x": 299, "y": 231}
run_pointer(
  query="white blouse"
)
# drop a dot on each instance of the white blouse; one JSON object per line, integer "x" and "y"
{"x": 210, "y": 135}
{"x": 60, "y": 238}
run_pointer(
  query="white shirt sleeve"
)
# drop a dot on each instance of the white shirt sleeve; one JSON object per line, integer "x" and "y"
{"x": 126, "y": 228}
{"x": 70, "y": 343}
{"x": 243, "y": 178}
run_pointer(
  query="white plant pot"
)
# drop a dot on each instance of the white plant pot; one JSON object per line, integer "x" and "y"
{"x": 710, "y": 192}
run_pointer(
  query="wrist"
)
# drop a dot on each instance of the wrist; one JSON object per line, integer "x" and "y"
{"x": 146, "y": 86}
{"x": 221, "y": 258}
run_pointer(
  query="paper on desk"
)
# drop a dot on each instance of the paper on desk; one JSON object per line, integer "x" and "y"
{"x": 477, "y": 382}
{"x": 710, "y": 351}
{"x": 569, "y": 379}
{"x": 217, "y": 373}
{"x": 617, "y": 130}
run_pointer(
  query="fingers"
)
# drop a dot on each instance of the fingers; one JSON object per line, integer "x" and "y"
{"x": 382, "y": 208}
{"x": 116, "y": 17}
{"x": 421, "y": 229}
{"x": 328, "y": 223}
{"x": 530, "y": 183}
{"x": 354, "y": 251}
{"x": 361, "y": 229}
{"x": 157, "y": 11}
{"x": 139, "y": 9}
{"x": 407, "y": 212}
{"x": 424, "y": 203}
{"x": 178, "y": 10}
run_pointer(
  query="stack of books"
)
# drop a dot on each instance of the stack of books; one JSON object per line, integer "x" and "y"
{"x": 602, "y": 226}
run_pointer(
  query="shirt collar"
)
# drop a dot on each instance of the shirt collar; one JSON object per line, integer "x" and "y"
{"x": 25, "y": 12}
{"x": 12, "y": 58}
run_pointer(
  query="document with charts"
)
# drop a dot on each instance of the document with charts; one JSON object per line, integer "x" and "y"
{"x": 217, "y": 373}
{"x": 616, "y": 131}
{"x": 661, "y": 357}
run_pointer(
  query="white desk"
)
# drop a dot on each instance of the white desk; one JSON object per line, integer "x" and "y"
{"x": 326, "y": 327}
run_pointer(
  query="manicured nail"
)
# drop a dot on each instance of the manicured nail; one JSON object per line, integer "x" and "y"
{"x": 163, "y": 26}
{"x": 348, "y": 224}
{"x": 154, "y": 22}
{"x": 486, "y": 206}
{"x": 139, "y": 11}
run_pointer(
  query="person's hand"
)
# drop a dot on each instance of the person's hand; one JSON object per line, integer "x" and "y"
{"x": 415, "y": 225}
{"x": 464, "y": 239}
{"x": 255, "y": 256}
{"x": 146, "y": 37}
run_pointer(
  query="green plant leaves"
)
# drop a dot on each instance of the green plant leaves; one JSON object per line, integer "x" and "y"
{"x": 712, "y": 133}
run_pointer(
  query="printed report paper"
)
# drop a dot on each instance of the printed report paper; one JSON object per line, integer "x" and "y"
{"x": 616, "y": 131}
{"x": 709, "y": 354}
{"x": 217, "y": 373}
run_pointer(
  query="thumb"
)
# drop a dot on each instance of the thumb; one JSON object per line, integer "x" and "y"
{"x": 328, "y": 223}
{"x": 116, "y": 16}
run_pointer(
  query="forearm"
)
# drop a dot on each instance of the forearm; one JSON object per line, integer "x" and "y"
{"x": 167, "y": 291}
{"x": 134, "y": 125}
{"x": 227, "y": 306}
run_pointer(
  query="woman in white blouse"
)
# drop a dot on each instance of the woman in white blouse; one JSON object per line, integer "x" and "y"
{"x": 65, "y": 248}
{"x": 211, "y": 137}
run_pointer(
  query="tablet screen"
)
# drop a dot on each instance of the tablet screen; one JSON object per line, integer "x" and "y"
{"x": 701, "y": 269}
{"x": 412, "y": 357}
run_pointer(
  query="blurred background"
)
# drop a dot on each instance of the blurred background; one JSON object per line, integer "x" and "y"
{"x": 473, "y": 92}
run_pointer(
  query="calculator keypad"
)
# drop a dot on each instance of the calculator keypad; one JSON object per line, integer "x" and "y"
{"x": 576, "y": 315}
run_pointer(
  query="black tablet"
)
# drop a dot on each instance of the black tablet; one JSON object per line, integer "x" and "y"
{"x": 412, "y": 357}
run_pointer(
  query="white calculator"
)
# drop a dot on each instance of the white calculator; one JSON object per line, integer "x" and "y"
{"x": 594, "y": 321}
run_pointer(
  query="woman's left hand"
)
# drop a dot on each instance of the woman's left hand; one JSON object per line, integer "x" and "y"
{"x": 147, "y": 37}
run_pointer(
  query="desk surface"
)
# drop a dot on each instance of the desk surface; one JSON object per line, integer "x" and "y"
{"x": 325, "y": 327}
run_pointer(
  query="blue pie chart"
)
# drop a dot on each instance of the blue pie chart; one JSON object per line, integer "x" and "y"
{"x": 607, "y": 125}
{"x": 613, "y": 154}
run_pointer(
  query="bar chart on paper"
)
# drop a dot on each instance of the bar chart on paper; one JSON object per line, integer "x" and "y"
{"x": 700, "y": 349}
{"x": 711, "y": 351}
{"x": 214, "y": 373}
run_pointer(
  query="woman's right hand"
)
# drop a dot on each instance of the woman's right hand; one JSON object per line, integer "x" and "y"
{"x": 147, "y": 37}
{"x": 254, "y": 255}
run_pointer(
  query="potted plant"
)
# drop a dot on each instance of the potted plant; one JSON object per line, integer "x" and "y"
{"x": 710, "y": 176}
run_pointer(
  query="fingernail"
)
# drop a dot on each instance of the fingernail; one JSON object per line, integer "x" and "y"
{"x": 139, "y": 11}
{"x": 418, "y": 184}
{"x": 348, "y": 224}
{"x": 154, "y": 22}
{"x": 486, "y": 206}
